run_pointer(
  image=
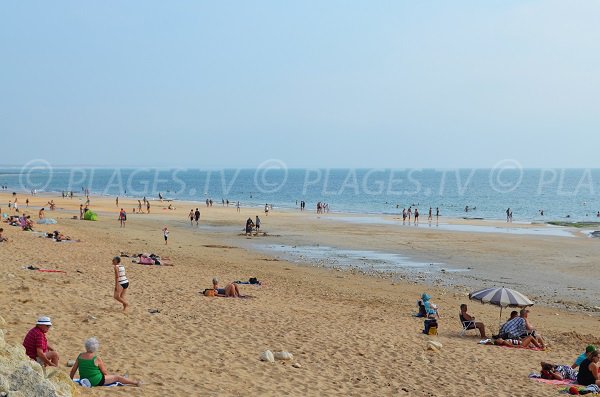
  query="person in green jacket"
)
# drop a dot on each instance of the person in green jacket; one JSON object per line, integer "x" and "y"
{"x": 92, "y": 368}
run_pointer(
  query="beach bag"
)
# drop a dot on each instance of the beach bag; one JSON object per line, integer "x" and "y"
{"x": 253, "y": 280}
{"x": 209, "y": 292}
{"x": 430, "y": 327}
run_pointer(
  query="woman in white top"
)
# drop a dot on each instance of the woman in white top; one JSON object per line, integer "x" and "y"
{"x": 121, "y": 282}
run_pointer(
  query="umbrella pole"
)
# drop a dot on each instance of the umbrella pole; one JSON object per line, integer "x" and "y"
{"x": 500, "y": 321}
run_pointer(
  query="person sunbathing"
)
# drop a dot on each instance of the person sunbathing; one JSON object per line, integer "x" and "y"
{"x": 557, "y": 372}
{"x": 231, "y": 290}
{"x": 525, "y": 343}
{"x": 467, "y": 318}
{"x": 92, "y": 368}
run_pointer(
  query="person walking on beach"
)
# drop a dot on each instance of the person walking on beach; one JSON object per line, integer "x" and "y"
{"x": 36, "y": 345}
{"x": 27, "y": 202}
{"x": 197, "y": 216}
{"x": 257, "y": 224}
{"x": 139, "y": 207}
{"x": 266, "y": 209}
{"x": 122, "y": 217}
{"x": 191, "y": 216}
{"x": 166, "y": 234}
{"x": 237, "y": 206}
{"x": 403, "y": 215}
{"x": 437, "y": 212}
{"x": 409, "y": 213}
{"x": 416, "y": 216}
{"x": 117, "y": 201}
{"x": 430, "y": 217}
{"x": 80, "y": 211}
{"x": 508, "y": 215}
{"x": 148, "y": 206}
{"x": 121, "y": 282}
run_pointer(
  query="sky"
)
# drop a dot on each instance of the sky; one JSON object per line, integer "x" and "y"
{"x": 213, "y": 84}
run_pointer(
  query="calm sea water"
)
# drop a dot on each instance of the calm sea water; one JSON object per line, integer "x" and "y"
{"x": 487, "y": 192}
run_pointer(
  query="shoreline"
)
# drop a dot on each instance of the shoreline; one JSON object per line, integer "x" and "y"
{"x": 435, "y": 270}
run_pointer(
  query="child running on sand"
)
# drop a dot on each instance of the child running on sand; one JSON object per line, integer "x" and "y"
{"x": 121, "y": 282}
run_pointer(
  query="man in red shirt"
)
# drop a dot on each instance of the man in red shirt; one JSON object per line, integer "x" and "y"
{"x": 36, "y": 345}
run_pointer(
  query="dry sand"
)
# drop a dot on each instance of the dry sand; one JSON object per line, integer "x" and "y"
{"x": 352, "y": 334}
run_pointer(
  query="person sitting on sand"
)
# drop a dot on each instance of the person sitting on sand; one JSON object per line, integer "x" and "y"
{"x": 231, "y": 290}
{"x": 36, "y": 345}
{"x": 557, "y": 372}
{"x": 466, "y": 317}
{"x": 589, "y": 349}
{"x": 518, "y": 328}
{"x": 529, "y": 328}
{"x": 588, "y": 370}
{"x": 92, "y": 368}
{"x": 41, "y": 214}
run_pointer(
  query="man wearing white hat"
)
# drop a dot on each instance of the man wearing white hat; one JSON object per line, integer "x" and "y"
{"x": 36, "y": 344}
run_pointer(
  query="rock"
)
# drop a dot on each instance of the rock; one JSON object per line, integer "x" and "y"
{"x": 89, "y": 318}
{"x": 153, "y": 311}
{"x": 434, "y": 346}
{"x": 70, "y": 363}
{"x": 267, "y": 355}
{"x": 296, "y": 365}
{"x": 283, "y": 356}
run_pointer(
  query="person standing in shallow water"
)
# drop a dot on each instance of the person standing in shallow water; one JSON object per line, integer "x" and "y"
{"x": 121, "y": 282}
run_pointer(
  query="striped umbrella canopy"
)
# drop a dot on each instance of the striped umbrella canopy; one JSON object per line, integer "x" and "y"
{"x": 503, "y": 297}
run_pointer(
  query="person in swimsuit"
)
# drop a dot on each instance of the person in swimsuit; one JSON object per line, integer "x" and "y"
{"x": 92, "y": 368}
{"x": 191, "y": 216}
{"x": 588, "y": 370}
{"x": 231, "y": 290}
{"x": 122, "y": 217}
{"x": 121, "y": 282}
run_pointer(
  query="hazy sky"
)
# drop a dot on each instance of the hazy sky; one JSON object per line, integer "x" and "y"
{"x": 312, "y": 83}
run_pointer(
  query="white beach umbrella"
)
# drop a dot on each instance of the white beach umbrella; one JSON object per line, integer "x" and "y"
{"x": 503, "y": 297}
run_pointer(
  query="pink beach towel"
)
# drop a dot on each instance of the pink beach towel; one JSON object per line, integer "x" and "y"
{"x": 564, "y": 382}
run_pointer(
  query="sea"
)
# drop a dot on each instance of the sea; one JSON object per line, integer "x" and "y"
{"x": 531, "y": 194}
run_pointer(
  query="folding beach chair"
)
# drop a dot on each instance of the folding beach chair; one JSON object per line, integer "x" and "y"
{"x": 467, "y": 325}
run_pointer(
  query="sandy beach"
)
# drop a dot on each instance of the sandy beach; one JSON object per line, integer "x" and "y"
{"x": 352, "y": 333}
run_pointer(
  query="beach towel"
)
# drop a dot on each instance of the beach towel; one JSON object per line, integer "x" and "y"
{"x": 47, "y": 221}
{"x": 86, "y": 383}
{"x": 555, "y": 382}
{"x": 30, "y": 267}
